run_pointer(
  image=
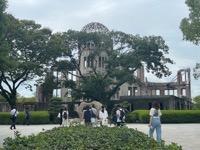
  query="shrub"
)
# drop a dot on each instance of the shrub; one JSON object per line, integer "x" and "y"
{"x": 87, "y": 138}
{"x": 55, "y": 104}
{"x": 133, "y": 117}
{"x": 37, "y": 117}
{"x": 168, "y": 116}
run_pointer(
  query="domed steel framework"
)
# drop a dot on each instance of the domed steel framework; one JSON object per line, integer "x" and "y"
{"x": 95, "y": 27}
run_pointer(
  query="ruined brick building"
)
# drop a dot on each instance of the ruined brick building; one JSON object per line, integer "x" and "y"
{"x": 175, "y": 94}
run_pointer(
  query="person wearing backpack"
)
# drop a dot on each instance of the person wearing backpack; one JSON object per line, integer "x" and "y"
{"x": 154, "y": 122}
{"x": 120, "y": 113}
{"x": 65, "y": 116}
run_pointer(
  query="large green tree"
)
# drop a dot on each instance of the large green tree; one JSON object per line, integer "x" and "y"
{"x": 190, "y": 28}
{"x": 125, "y": 54}
{"x": 31, "y": 49}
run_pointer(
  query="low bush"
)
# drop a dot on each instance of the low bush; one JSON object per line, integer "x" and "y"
{"x": 168, "y": 116}
{"x": 55, "y": 104}
{"x": 37, "y": 117}
{"x": 86, "y": 138}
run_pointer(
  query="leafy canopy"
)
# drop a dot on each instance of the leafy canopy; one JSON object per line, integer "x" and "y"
{"x": 190, "y": 28}
{"x": 123, "y": 55}
{"x": 30, "y": 50}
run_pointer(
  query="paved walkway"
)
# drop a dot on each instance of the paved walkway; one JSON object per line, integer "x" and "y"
{"x": 186, "y": 135}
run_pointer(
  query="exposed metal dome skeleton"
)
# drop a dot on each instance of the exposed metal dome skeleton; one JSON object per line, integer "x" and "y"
{"x": 95, "y": 27}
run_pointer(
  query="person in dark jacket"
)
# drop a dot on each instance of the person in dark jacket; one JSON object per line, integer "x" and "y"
{"x": 27, "y": 116}
{"x": 60, "y": 116}
{"x": 87, "y": 116}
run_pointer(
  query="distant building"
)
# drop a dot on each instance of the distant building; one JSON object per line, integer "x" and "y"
{"x": 171, "y": 95}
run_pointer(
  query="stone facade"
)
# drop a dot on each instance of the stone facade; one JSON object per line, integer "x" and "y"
{"x": 175, "y": 94}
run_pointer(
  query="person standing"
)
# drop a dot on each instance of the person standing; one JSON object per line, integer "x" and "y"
{"x": 114, "y": 117}
{"x": 155, "y": 122}
{"x": 27, "y": 116}
{"x": 103, "y": 115}
{"x": 94, "y": 115}
{"x": 87, "y": 116}
{"x": 120, "y": 113}
{"x": 65, "y": 117}
{"x": 13, "y": 117}
{"x": 60, "y": 116}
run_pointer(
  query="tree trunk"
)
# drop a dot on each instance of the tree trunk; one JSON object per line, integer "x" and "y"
{"x": 12, "y": 101}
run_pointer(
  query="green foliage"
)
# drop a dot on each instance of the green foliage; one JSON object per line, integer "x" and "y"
{"x": 133, "y": 117}
{"x": 2, "y": 99}
{"x": 196, "y": 103}
{"x": 125, "y": 106}
{"x": 87, "y": 138}
{"x": 55, "y": 104}
{"x": 123, "y": 55}
{"x": 190, "y": 26}
{"x": 168, "y": 116}
{"x": 28, "y": 50}
{"x": 26, "y": 99}
{"x": 37, "y": 117}
{"x": 3, "y": 5}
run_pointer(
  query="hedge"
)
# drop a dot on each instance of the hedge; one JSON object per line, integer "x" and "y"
{"x": 137, "y": 116}
{"x": 37, "y": 117}
{"x": 168, "y": 116}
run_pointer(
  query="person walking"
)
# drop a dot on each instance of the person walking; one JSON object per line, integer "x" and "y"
{"x": 13, "y": 116}
{"x": 103, "y": 115}
{"x": 27, "y": 116}
{"x": 154, "y": 122}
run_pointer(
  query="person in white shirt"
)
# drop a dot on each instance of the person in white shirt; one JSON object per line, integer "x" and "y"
{"x": 103, "y": 115}
{"x": 65, "y": 119}
{"x": 13, "y": 116}
{"x": 120, "y": 116}
{"x": 154, "y": 122}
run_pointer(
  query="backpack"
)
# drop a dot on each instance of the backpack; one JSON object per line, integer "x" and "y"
{"x": 155, "y": 113}
{"x": 65, "y": 115}
{"x": 122, "y": 114}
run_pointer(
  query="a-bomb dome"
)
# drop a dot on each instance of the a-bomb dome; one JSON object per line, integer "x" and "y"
{"x": 95, "y": 27}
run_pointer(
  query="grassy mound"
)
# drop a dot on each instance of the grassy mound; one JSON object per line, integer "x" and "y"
{"x": 86, "y": 138}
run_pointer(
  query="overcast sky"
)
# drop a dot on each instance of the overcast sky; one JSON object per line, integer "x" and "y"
{"x": 143, "y": 17}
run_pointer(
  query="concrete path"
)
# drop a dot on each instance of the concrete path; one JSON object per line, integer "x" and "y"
{"x": 186, "y": 135}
